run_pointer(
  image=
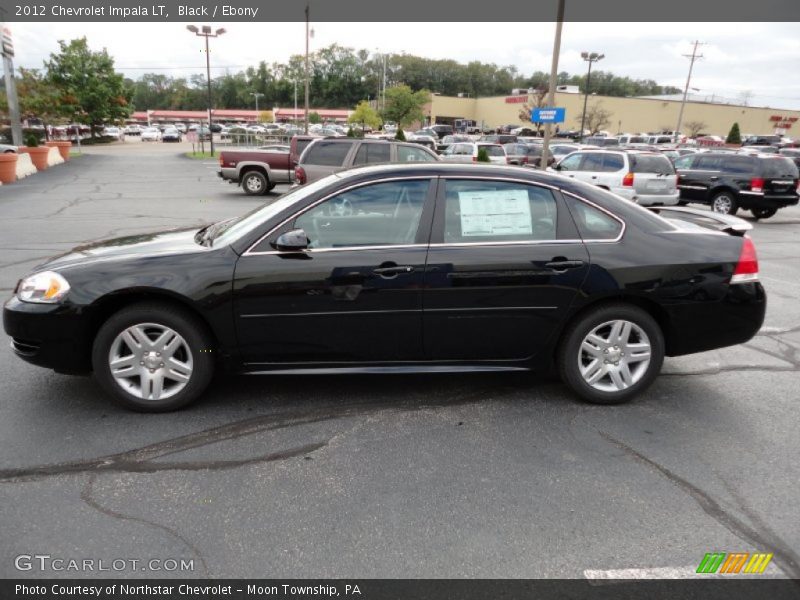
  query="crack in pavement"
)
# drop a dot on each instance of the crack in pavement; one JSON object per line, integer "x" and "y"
{"x": 140, "y": 460}
{"x": 785, "y": 557}
{"x": 87, "y": 496}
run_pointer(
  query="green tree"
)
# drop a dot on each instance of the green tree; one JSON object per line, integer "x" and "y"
{"x": 404, "y": 106}
{"x": 399, "y": 135}
{"x": 313, "y": 117}
{"x": 483, "y": 155}
{"x": 366, "y": 115}
{"x": 90, "y": 89}
{"x": 734, "y": 136}
{"x": 37, "y": 98}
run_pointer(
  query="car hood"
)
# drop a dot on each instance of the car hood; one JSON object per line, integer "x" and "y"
{"x": 173, "y": 241}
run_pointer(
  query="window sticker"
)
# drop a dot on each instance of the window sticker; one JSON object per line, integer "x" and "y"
{"x": 495, "y": 213}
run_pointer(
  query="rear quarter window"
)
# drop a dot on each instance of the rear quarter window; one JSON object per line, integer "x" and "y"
{"x": 779, "y": 167}
{"x": 645, "y": 163}
{"x": 327, "y": 154}
{"x": 593, "y": 223}
{"x": 738, "y": 165}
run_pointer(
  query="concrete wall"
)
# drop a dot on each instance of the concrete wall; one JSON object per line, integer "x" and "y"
{"x": 630, "y": 115}
{"x": 25, "y": 166}
{"x": 54, "y": 157}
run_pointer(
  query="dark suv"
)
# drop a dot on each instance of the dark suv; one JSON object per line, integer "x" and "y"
{"x": 727, "y": 182}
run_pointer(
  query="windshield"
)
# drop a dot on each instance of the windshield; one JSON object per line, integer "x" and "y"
{"x": 233, "y": 229}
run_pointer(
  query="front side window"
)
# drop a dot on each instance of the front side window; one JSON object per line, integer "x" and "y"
{"x": 571, "y": 162}
{"x": 498, "y": 211}
{"x": 380, "y": 214}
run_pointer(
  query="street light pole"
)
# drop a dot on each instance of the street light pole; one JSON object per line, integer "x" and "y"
{"x": 590, "y": 57}
{"x": 551, "y": 93}
{"x": 206, "y": 33}
{"x": 305, "y": 118}
{"x": 256, "y": 95}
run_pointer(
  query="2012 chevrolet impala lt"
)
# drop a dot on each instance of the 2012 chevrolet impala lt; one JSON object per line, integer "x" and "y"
{"x": 415, "y": 267}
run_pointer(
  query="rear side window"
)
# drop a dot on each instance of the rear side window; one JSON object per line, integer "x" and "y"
{"x": 613, "y": 162}
{"x": 498, "y": 211}
{"x": 646, "y": 163}
{"x": 779, "y": 167}
{"x": 593, "y": 223}
{"x": 592, "y": 161}
{"x": 707, "y": 163}
{"x": 372, "y": 153}
{"x": 737, "y": 165}
{"x": 327, "y": 154}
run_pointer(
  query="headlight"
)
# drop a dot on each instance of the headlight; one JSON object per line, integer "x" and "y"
{"x": 47, "y": 287}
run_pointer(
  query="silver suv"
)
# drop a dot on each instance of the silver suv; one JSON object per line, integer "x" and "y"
{"x": 647, "y": 178}
{"x": 326, "y": 156}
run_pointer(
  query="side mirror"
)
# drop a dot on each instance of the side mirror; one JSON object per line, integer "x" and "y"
{"x": 557, "y": 167}
{"x": 292, "y": 241}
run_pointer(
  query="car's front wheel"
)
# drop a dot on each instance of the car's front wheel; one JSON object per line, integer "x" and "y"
{"x": 254, "y": 183}
{"x": 611, "y": 353}
{"x": 153, "y": 357}
{"x": 724, "y": 203}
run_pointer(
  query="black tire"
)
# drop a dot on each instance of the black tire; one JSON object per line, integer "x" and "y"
{"x": 254, "y": 183}
{"x": 682, "y": 203}
{"x": 271, "y": 186}
{"x": 763, "y": 213}
{"x": 724, "y": 203}
{"x": 194, "y": 333}
{"x": 569, "y": 354}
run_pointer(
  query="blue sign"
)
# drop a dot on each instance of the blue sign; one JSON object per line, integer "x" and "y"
{"x": 548, "y": 115}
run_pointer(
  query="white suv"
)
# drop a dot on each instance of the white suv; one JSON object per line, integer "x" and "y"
{"x": 647, "y": 178}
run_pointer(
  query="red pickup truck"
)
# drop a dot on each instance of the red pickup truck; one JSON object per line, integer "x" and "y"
{"x": 257, "y": 170}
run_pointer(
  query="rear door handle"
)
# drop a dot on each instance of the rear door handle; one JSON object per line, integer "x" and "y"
{"x": 563, "y": 265}
{"x": 392, "y": 271}
{"x": 713, "y": 178}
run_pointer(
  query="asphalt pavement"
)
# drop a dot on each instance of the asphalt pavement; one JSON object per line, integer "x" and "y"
{"x": 484, "y": 475}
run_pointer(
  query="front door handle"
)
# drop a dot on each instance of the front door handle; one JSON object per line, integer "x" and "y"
{"x": 392, "y": 271}
{"x": 713, "y": 178}
{"x": 563, "y": 265}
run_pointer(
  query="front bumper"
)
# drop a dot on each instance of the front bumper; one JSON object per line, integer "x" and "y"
{"x": 49, "y": 335}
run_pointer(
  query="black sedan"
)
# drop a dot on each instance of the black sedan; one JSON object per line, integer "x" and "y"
{"x": 399, "y": 268}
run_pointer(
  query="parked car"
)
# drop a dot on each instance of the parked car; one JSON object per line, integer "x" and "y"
{"x": 441, "y": 130}
{"x": 203, "y": 132}
{"x": 171, "y": 134}
{"x": 763, "y": 140}
{"x": 8, "y": 149}
{"x": 793, "y": 153}
{"x": 467, "y": 152}
{"x": 132, "y": 130}
{"x": 761, "y": 184}
{"x": 326, "y": 156}
{"x": 257, "y": 170}
{"x": 447, "y": 140}
{"x": 625, "y": 139}
{"x": 522, "y": 154}
{"x": 297, "y": 146}
{"x": 601, "y": 141}
{"x": 498, "y": 138}
{"x": 758, "y": 150}
{"x": 181, "y": 127}
{"x": 373, "y": 270}
{"x": 151, "y": 134}
{"x": 114, "y": 132}
{"x": 647, "y": 178}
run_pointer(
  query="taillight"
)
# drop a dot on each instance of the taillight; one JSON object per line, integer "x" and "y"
{"x": 474, "y": 159}
{"x": 299, "y": 175}
{"x": 747, "y": 268}
{"x": 627, "y": 181}
{"x": 756, "y": 184}
{"x": 221, "y": 160}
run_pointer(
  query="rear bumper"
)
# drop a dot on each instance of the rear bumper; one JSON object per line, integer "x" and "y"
{"x": 46, "y": 335}
{"x": 670, "y": 199}
{"x": 229, "y": 174}
{"x": 734, "y": 319}
{"x": 766, "y": 200}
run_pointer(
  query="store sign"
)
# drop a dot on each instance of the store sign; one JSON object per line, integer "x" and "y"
{"x": 548, "y": 115}
{"x": 516, "y": 99}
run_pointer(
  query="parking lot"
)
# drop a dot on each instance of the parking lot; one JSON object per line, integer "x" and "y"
{"x": 482, "y": 475}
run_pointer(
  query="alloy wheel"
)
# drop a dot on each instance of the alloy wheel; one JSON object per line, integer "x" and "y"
{"x": 723, "y": 204}
{"x": 614, "y": 356}
{"x": 150, "y": 361}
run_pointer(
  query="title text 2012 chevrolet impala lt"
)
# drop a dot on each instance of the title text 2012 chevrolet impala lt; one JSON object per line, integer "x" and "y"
{"x": 415, "y": 267}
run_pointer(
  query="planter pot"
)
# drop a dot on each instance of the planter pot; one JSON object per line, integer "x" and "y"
{"x": 8, "y": 167}
{"x": 38, "y": 156}
{"x": 63, "y": 147}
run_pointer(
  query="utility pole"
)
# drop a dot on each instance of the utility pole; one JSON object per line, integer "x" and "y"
{"x": 257, "y": 95}
{"x": 693, "y": 57}
{"x": 306, "y": 109}
{"x": 11, "y": 87}
{"x": 551, "y": 93}
{"x": 205, "y": 31}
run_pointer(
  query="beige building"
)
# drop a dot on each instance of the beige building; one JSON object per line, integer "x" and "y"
{"x": 628, "y": 115}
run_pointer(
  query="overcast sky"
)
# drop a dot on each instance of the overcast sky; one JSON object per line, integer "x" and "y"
{"x": 762, "y": 58}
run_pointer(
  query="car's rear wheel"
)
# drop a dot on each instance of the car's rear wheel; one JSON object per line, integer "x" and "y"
{"x": 611, "y": 354}
{"x": 254, "y": 183}
{"x": 153, "y": 357}
{"x": 763, "y": 213}
{"x": 724, "y": 203}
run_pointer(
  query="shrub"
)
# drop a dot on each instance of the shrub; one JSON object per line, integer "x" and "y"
{"x": 734, "y": 137}
{"x": 483, "y": 155}
{"x": 400, "y": 135}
